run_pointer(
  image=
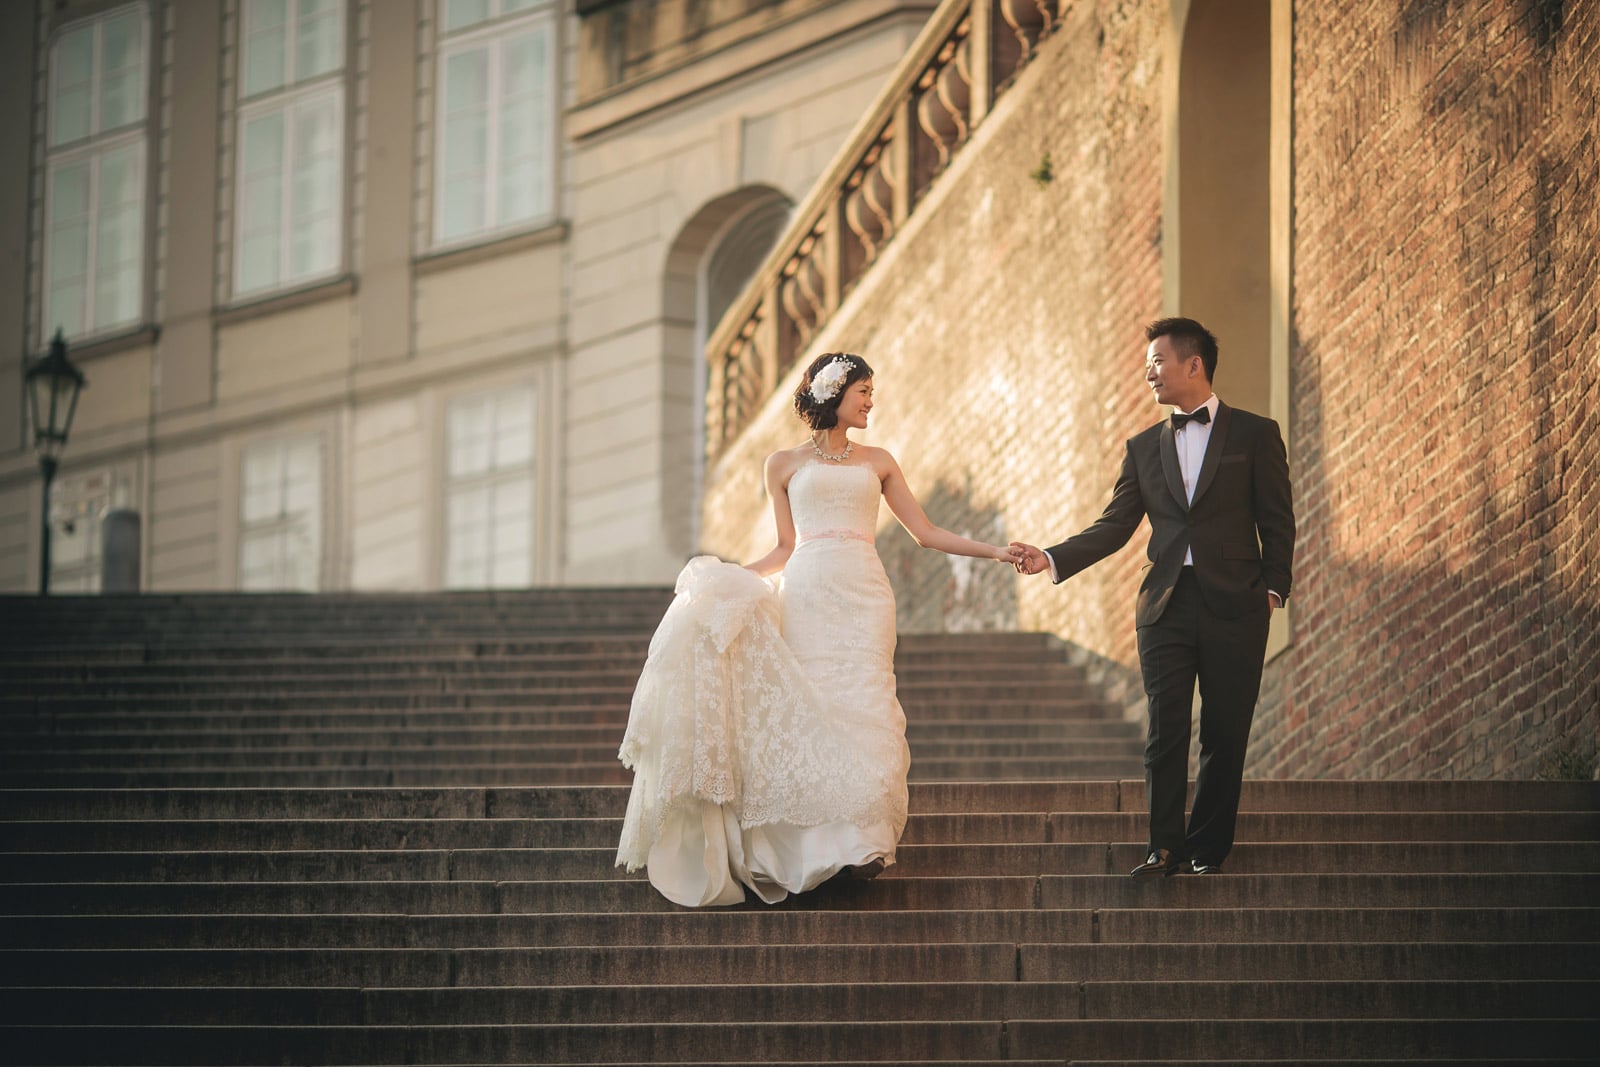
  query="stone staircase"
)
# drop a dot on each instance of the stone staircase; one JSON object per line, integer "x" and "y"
{"x": 380, "y": 830}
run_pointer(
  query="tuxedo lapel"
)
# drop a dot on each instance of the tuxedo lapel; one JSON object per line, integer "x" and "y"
{"x": 1169, "y": 465}
{"x": 1213, "y": 458}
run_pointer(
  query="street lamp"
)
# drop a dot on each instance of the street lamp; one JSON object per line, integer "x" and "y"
{"x": 53, "y": 386}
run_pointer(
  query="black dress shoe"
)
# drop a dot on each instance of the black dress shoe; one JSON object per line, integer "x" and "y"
{"x": 1202, "y": 867}
{"x": 863, "y": 873}
{"x": 1161, "y": 863}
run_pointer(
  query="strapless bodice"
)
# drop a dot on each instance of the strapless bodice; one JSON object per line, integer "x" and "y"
{"x": 835, "y": 500}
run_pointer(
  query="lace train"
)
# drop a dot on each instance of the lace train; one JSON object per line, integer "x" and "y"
{"x": 743, "y": 771}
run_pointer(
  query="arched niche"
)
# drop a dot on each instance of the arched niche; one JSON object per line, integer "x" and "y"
{"x": 1228, "y": 209}
{"x": 708, "y": 265}
{"x": 1224, "y": 192}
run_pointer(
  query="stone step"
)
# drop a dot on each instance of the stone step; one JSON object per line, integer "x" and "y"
{"x": 557, "y": 772}
{"x": 90, "y": 732}
{"x": 216, "y": 650}
{"x": 452, "y": 709}
{"x": 717, "y": 964}
{"x": 781, "y": 1002}
{"x": 1122, "y": 796}
{"x": 925, "y": 860}
{"x": 474, "y": 675}
{"x": 956, "y": 700}
{"x": 453, "y": 658}
{"x": 65, "y": 835}
{"x": 402, "y": 750}
{"x": 770, "y": 1042}
{"x": 646, "y": 932}
{"x": 377, "y": 893}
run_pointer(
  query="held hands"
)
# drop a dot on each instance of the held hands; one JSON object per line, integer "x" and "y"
{"x": 1007, "y": 554}
{"x": 1028, "y": 559}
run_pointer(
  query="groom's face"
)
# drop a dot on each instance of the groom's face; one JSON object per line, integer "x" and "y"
{"x": 1172, "y": 374}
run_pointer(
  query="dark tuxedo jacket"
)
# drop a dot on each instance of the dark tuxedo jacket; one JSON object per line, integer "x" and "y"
{"x": 1240, "y": 526}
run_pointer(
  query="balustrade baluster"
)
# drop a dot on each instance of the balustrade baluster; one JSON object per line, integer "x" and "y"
{"x": 945, "y": 87}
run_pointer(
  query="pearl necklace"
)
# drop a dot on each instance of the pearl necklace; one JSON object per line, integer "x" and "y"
{"x": 837, "y": 457}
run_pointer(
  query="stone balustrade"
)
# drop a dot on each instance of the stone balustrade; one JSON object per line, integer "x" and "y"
{"x": 967, "y": 54}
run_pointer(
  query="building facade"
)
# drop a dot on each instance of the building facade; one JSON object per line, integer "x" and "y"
{"x": 395, "y": 294}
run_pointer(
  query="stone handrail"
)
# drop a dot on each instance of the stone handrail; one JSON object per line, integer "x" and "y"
{"x": 966, "y": 55}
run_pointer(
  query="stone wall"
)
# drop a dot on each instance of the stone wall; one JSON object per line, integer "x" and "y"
{"x": 1444, "y": 439}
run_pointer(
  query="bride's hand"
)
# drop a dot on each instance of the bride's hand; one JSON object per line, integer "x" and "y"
{"x": 1012, "y": 554}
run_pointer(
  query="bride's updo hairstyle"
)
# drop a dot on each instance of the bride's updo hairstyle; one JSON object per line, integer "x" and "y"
{"x": 816, "y": 400}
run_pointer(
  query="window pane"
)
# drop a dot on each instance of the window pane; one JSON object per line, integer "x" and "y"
{"x": 67, "y": 249}
{"x": 319, "y": 38}
{"x": 512, "y": 533}
{"x": 513, "y": 428}
{"x": 465, "y": 153}
{"x": 122, "y": 71}
{"x": 266, "y": 45}
{"x": 74, "y": 72}
{"x": 519, "y": 5}
{"x": 302, "y": 477}
{"x": 466, "y": 554}
{"x": 314, "y": 192}
{"x": 260, "y": 224}
{"x": 459, "y": 13}
{"x": 280, "y": 486}
{"x": 258, "y": 561}
{"x": 523, "y": 130}
{"x": 469, "y": 428}
{"x": 303, "y": 554}
{"x": 464, "y": 159}
{"x": 119, "y": 238}
{"x": 261, "y": 482}
{"x": 263, "y": 145}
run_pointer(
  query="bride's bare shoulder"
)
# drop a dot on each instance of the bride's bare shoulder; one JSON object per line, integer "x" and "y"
{"x": 785, "y": 461}
{"x": 880, "y": 459}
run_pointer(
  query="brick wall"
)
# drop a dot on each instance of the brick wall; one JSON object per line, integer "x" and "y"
{"x": 1005, "y": 327}
{"x": 1444, "y": 425}
{"x": 1447, "y": 597}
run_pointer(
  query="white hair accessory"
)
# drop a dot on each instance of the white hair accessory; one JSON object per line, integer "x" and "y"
{"x": 825, "y": 384}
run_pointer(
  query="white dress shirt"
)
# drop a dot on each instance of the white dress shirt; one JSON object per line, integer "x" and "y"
{"x": 1191, "y": 442}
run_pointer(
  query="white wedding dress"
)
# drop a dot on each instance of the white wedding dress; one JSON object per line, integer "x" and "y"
{"x": 767, "y": 743}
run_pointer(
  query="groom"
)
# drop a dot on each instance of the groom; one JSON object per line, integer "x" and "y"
{"x": 1214, "y": 482}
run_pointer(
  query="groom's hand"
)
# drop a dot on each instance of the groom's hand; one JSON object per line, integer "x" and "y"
{"x": 1032, "y": 560}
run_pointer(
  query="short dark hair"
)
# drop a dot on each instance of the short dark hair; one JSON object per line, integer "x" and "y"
{"x": 824, "y": 414}
{"x": 1191, "y": 338}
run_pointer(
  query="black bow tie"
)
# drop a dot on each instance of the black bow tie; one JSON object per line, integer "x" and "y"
{"x": 1200, "y": 415}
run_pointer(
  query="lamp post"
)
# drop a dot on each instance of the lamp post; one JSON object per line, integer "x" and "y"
{"x": 53, "y": 385}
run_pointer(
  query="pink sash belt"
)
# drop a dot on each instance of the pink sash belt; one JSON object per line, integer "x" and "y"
{"x": 835, "y": 535}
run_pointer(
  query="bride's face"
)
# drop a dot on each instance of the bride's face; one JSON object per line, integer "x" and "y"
{"x": 856, "y": 405}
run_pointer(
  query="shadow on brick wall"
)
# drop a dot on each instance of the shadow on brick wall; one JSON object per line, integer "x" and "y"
{"x": 935, "y": 592}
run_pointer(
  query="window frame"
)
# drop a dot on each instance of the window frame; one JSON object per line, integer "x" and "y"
{"x": 284, "y": 522}
{"x": 288, "y": 99}
{"x": 493, "y": 478}
{"x": 492, "y": 33}
{"x": 94, "y": 147}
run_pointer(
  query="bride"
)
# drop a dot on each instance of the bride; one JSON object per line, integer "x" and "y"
{"x": 767, "y": 743}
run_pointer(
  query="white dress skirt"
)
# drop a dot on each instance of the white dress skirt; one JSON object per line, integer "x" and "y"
{"x": 767, "y": 743}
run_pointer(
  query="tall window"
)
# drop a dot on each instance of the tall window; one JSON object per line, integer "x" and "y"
{"x": 494, "y": 167}
{"x": 290, "y": 174}
{"x": 280, "y": 515}
{"x": 489, "y": 509}
{"x": 95, "y": 174}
